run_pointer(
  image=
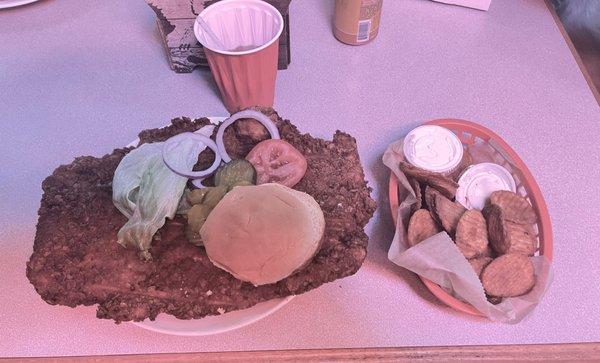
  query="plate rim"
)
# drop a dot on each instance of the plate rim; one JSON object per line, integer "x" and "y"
{"x": 282, "y": 302}
{"x": 15, "y": 3}
{"x": 144, "y": 324}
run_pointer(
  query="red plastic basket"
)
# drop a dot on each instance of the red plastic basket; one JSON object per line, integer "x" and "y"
{"x": 470, "y": 133}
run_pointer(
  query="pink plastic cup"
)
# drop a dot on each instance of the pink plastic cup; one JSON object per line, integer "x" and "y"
{"x": 246, "y": 70}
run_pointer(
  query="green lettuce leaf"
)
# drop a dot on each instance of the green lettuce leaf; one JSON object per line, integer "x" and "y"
{"x": 147, "y": 192}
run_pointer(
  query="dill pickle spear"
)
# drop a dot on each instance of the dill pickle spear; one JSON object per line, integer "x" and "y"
{"x": 196, "y": 196}
{"x": 195, "y": 219}
{"x": 235, "y": 171}
{"x": 214, "y": 196}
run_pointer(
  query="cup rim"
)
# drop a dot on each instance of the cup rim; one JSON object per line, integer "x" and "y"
{"x": 216, "y": 5}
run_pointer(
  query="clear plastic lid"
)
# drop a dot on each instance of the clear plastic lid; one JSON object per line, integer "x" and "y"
{"x": 479, "y": 181}
{"x": 433, "y": 148}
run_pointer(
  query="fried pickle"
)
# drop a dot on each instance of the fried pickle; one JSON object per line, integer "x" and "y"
{"x": 420, "y": 227}
{"x": 471, "y": 234}
{"x": 448, "y": 213}
{"x": 479, "y": 264}
{"x": 514, "y": 207}
{"x": 509, "y": 275}
{"x": 494, "y": 299}
{"x": 441, "y": 182}
{"x": 489, "y": 251}
{"x": 429, "y": 196}
{"x": 418, "y": 194}
{"x": 507, "y": 236}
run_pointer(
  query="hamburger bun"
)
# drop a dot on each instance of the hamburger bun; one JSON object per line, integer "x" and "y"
{"x": 263, "y": 233}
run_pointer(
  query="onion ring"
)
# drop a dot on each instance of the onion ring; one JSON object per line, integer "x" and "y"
{"x": 199, "y": 138}
{"x": 258, "y": 116}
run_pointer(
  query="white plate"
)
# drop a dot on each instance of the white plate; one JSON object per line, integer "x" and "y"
{"x": 209, "y": 325}
{"x": 168, "y": 324}
{"x": 12, "y": 3}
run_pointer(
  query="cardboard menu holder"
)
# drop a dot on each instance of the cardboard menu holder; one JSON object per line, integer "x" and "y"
{"x": 176, "y": 25}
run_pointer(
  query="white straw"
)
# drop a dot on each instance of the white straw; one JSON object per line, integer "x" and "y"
{"x": 206, "y": 28}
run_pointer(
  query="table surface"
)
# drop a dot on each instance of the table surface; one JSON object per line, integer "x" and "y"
{"x": 81, "y": 78}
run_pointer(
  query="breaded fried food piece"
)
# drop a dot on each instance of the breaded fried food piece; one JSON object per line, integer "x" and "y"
{"x": 76, "y": 259}
{"x": 448, "y": 213}
{"x": 465, "y": 162}
{"x": 514, "y": 207}
{"x": 479, "y": 264}
{"x": 507, "y": 236}
{"x": 420, "y": 227}
{"x": 418, "y": 194}
{"x": 509, "y": 275}
{"x": 444, "y": 184}
{"x": 489, "y": 251}
{"x": 429, "y": 196}
{"x": 471, "y": 234}
{"x": 494, "y": 299}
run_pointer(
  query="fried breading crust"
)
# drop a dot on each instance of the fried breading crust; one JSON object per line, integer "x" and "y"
{"x": 420, "y": 227}
{"x": 509, "y": 275}
{"x": 448, "y": 213}
{"x": 471, "y": 234}
{"x": 514, "y": 207}
{"x": 442, "y": 183}
{"x": 507, "y": 236}
{"x": 77, "y": 261}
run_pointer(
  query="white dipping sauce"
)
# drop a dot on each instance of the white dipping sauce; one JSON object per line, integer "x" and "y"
{"x": 433, "y": 148}
{"x": 479, "y": 181}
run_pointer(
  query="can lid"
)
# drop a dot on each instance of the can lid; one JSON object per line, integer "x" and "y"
{"x": 433, "y": 148}
{"x": 479, "y": 181}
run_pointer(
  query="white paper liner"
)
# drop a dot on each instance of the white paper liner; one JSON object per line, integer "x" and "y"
{"x": 439, "y": 260}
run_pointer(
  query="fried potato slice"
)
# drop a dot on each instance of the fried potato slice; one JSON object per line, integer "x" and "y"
{"x": 508, "y": 276}
{"x": 471, "y": 234}
{"x": 514, "y": 207}
{"x": 420, "y": 227}
{"x": 448, "y": 213}
{"x": 506, "y": 236}
{"x": 479, "y": 264}
{"x": 444, "y": 184}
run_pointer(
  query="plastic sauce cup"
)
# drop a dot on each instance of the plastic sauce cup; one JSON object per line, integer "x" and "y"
{"x": 433, "y": 148}
{"x": 245, "y": 72}
{"x": 479, "y": 181}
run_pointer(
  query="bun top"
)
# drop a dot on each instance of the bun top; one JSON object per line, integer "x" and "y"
{"x": 263, "y": 233}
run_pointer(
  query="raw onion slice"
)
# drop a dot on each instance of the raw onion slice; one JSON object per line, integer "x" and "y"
{"x": 169, "y": 144}
{"x": 198, "y": 182}
{"x": 258, "y": 116}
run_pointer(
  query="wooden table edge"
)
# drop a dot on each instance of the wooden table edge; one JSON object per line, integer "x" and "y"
{"x": 536, "y": 352}
{"x": 574, "y": 52}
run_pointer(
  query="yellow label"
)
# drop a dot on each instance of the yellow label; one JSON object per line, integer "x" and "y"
{"x": 357, "y": 20}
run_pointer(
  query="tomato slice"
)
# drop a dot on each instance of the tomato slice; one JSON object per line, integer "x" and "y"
{"x": 277, "y": 161}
